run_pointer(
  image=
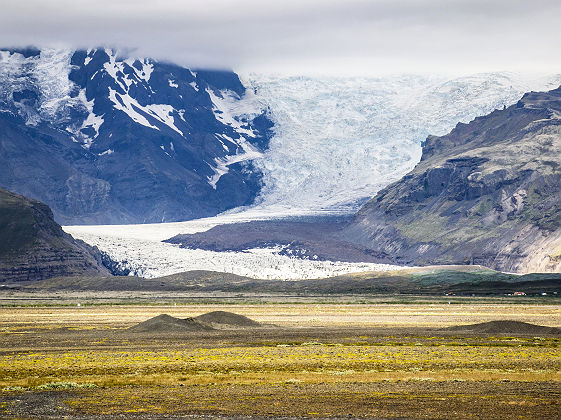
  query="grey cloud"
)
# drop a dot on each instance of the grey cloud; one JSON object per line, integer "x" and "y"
{"x": 335, "y": 36}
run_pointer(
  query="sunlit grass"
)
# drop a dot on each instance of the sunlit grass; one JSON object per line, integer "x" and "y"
{"x": 100, "y": 369}
{"x": 531, "y": 359}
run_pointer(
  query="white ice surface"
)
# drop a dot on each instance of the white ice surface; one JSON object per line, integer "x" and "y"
{"x": 147, "y": 256}
{"x": 229, "y": 108}
{"x": 222, "y": 164}
{"x": 163, "y": 113}
{"x": 92, "y": 120}
{"x": 338, "y": 141}
{"x": 48, "y": 72}
{"x": 146, "y": 72}
{"x": 129, "y": 105}
{"x": 115, "y": 69}
{"x": 52, "y": 72}
{"x": 232, "y": 110}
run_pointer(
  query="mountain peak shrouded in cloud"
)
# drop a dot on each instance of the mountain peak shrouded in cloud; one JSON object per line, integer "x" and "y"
{"x": 106, "y": 139}
{"x": 315, "y": 36}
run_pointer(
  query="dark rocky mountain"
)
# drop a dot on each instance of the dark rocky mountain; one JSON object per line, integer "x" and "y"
{"x": 107, "y": 139}
{"x": 34, "y": 247}
{"x": 487, "y": 193}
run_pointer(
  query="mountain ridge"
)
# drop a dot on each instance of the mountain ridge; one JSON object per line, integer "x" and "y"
{"x": 435, "y": 280}
{"x": 487, "y": 193}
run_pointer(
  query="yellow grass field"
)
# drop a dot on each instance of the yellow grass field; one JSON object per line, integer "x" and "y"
{"x": 319, "y": 360}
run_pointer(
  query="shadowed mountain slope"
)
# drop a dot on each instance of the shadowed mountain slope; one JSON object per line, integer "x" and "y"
{"x": 34, "y": 247}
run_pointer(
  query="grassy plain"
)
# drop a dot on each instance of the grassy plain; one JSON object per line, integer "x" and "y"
{"x": 375, "y": 360}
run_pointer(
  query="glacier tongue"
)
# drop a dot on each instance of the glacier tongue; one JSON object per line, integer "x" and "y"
{"x": 140, "y": 249}
{"x": 339, "y": 140}
{"x": 336, "y": 142}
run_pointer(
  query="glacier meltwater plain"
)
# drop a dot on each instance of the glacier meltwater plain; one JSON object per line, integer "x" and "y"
{"x": 337, "y": 141}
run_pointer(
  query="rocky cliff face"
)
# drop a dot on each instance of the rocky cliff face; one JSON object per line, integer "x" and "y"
{"x": 107, "y": 139}
{"x": 487, "y": 193}
{"x": 34, "y": 247}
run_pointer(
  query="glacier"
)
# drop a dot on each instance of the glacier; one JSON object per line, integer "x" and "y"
{"x": 336, "y": 142}
{"x": 139, "y": 249}
{"x": 50, "y": 72}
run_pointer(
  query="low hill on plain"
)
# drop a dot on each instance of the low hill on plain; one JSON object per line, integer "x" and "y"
{"x": 506, "y": 327}
{"x": 227, "y": 318}
{"x": 211, "y": 321}
{"x": 168, "y": 323}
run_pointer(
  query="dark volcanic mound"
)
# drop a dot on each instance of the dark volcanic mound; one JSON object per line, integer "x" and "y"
{"x": 167, "y": 323}
{"x": 227, "y": 318}
{"x": 506, "y": 327}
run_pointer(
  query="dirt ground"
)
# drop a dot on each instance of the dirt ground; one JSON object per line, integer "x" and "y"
{"x": 369, "y": 360}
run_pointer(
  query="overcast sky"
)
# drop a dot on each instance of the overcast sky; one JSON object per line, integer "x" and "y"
{"x": 343, "y": 37}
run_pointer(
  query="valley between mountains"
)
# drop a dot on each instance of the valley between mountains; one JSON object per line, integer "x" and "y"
{"x": 105, "y": 139}
{"x": 488, "y": 193}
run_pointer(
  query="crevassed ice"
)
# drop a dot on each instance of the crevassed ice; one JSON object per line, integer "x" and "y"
{"x": 49, "y": 72}
{"x": 340, "y": 140}
{"x": 234, "y": 111}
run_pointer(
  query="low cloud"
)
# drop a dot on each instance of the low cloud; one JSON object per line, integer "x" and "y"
{"x": 312, "y": 36}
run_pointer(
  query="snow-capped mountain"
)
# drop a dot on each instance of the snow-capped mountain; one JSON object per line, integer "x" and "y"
{"x": 108, "y": 139}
